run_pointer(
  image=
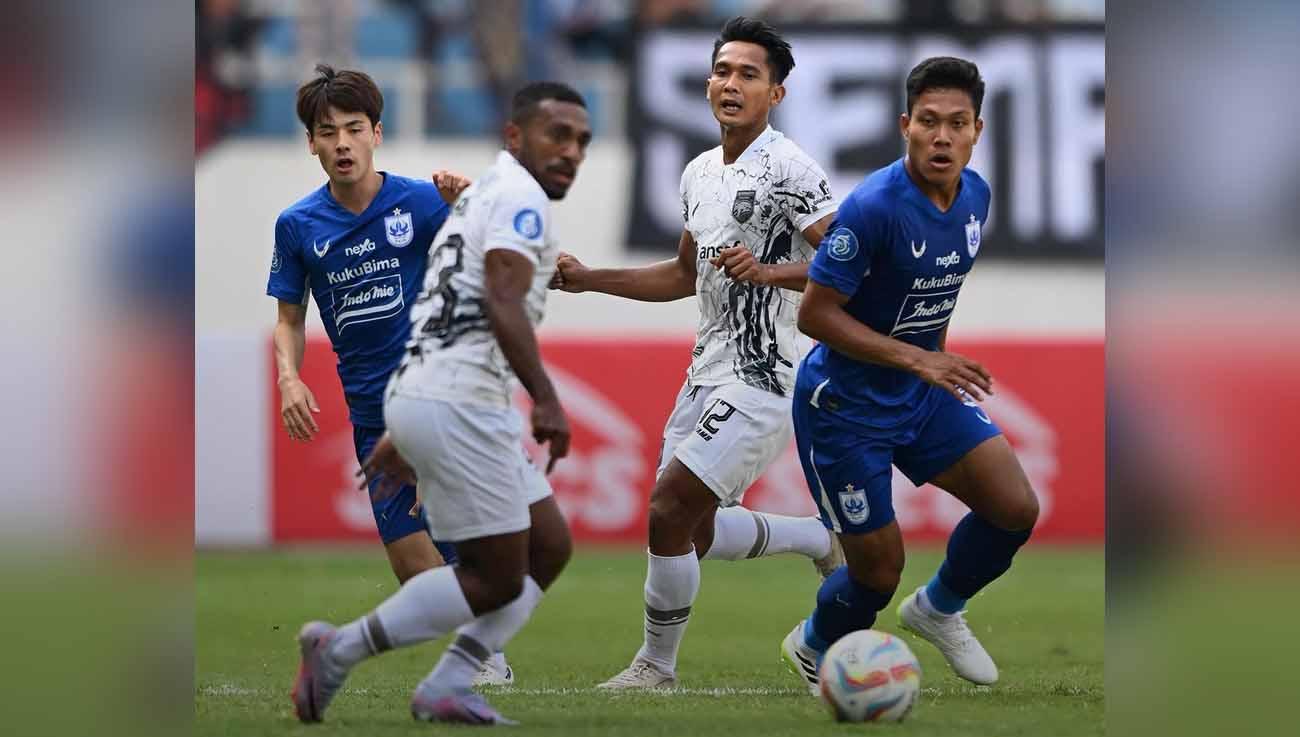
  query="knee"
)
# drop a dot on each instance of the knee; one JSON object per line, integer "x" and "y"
{"x": 503, "y": 591}
{"x": 883, "y": 577}
{"x": 1023, "y": 514}
{"x": 670, "y": 526}
{"x": 549, "y": 557}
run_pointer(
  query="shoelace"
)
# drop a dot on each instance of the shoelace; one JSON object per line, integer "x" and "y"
{"x": 635, "y": 672}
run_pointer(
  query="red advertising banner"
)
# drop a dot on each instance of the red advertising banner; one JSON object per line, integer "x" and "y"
{"x": 618, "y": 394}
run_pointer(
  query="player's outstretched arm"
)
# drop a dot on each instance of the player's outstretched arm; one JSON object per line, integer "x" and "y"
{"x": 822, "y": 317}
{"x": 659, "y": 282}
{"x": 296, "y": 401}
{"x": 507, "y": 278}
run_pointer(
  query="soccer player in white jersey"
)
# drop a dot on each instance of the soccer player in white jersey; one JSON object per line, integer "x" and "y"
{"x": 452, "y": 430}
{"x": 751, "y": 207}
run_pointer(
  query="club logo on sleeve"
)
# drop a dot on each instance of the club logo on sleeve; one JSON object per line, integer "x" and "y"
{"x": 276, "y": 263}
{"x": 973, "y": 236}
{"x": 528, "y": 223}
{"x": 843, "y": 244}
{"x": 742, "y": 209}
{"x": 398, "y": 228}
{"x": 853, "y": 502}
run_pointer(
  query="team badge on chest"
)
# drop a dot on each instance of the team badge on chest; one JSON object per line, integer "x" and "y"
{"x": 743, "y": 208}
{"x": 973, "y": 236}
{"x": 398, "y": 228}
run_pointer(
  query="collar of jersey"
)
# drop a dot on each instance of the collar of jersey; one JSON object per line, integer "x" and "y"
{"x": 768, "y": 135}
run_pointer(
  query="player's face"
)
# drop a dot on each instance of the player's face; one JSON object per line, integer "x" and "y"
{"x": 740, "y": 88}
{"x": 941, "y": 133}
{"x": 552, "y": 144}
{"x": 345, "y": 143}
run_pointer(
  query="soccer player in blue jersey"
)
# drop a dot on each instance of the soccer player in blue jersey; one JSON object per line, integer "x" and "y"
{"x": 359, "y": 244}
{"x": 880, "y": 388}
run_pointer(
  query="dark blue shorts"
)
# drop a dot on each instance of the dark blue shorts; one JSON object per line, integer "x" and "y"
{"x": 398, "y": 515}
{"x": 847, "y": 465}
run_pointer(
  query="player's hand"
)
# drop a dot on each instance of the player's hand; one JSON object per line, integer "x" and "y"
{"x": 387, "y": 466}
{"x": 569, "y": 273}
{"x": 739, "y": 263}
{"x": 449, "y": 184}
{"x": 960, "y": 376}
{"x": 551, "y": 426}
{"x": 297, "y": 405}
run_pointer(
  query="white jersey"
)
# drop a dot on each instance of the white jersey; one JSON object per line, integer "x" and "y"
{"x": 763, "y": 200}
{"x": 452, "y": 354}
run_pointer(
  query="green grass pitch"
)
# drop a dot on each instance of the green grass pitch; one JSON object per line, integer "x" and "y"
{"x": 1043, "y": 624}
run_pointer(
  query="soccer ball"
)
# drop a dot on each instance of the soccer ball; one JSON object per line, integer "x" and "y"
{"x": 869, "y": 676}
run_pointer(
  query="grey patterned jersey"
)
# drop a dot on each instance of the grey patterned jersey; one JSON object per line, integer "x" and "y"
{"x": 763, "y": 200}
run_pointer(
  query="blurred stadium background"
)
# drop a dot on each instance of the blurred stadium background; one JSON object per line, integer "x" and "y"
{"x": 1033, "y": 312}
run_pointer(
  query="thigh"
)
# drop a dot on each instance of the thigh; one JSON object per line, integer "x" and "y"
{"x": 848, "y": 473}
{"x": 739, "y": 433}
{"x": 472, "y": 473}
{"x": 990, "y": 480}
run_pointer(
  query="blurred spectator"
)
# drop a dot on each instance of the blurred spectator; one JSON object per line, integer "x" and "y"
{"x": 824, "y": 11}
{"x": 652, "y": 13}
{"x": 326, "y": 31}
{"x": 224, "y": 33}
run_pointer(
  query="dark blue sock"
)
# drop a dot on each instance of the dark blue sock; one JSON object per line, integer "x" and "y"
{"x": 843, "y": 606}
{"x": 447, "y": 551}
{"x": 978, "y": 553}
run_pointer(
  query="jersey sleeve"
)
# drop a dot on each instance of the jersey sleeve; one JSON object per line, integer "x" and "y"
{"x": 844, "y": 258}
{"x": 288, "y": 279}
{"x": 683, "y": 191}
{"x": 805, "y": 196}
{"x": 518, "y": 223}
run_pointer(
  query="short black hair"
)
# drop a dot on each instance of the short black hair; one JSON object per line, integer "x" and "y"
{"x": 780, "y": 59}
{"x": 527, "y": 99}
{"x": 947, "y": 73}
{"x": 347, "y": 90}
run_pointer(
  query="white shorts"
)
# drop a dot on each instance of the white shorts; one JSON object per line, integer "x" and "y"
{"x": 726, "y": 435}
{"x": 474, "y": 478}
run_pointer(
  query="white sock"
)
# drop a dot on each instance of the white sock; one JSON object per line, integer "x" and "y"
{"x": 670, "y": 587}
{"x": 428, "y": 606}
{"x": 740, "y": 533}
{"x": 476, "y": 641}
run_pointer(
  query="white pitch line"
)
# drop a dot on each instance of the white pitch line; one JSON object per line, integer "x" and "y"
{"x": 231, "y": 690}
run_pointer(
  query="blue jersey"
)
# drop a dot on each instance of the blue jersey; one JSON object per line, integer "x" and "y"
{"x": 364, "y": 272}
{"x": 902, "y": 262}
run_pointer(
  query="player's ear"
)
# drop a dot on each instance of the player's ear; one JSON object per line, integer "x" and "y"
{"x": 311, "y": 143}
{"x": 514, "y": 137}
{"x": 778, "y": 94}
{"x": 379, "y": 133}
{"x": 979, "y": 128}
{"x": 903, "y": 121}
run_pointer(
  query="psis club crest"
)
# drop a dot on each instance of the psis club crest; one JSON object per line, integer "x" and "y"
{"x": 973, "y": 236}
{"x": 398, "y": 228}
{"x": 743, "y": 208}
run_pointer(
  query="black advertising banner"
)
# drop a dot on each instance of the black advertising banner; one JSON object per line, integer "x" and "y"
{"x": 1042, "y": 151}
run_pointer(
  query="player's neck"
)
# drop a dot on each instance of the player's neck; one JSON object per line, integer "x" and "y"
{"x": 942, "y": 195}
{"x": 355, "y": 198}
{"x": 736, "y": 139}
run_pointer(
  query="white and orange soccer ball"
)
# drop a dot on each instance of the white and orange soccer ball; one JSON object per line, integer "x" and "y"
{"x": 870, "y": 676}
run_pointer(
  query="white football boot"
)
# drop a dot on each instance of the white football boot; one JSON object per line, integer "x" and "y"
{"x": 801, "y": 659}
{"x": 641, "y": 674}
{"x": 951, "y": 634}
{"x": 495, "y": 672}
